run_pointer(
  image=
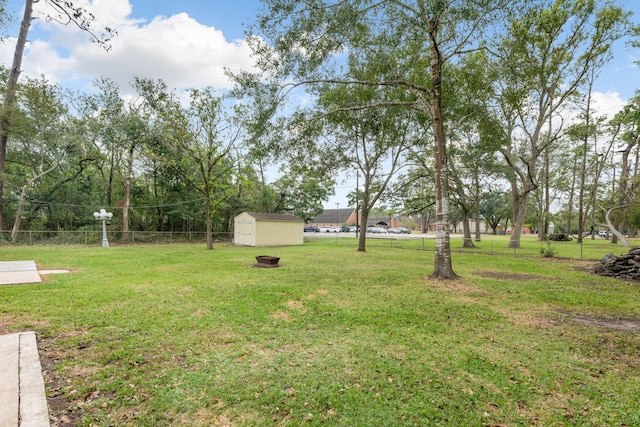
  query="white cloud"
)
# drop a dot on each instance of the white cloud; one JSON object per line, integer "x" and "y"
{"x": 176, "y": 49}
{"x": 608, "y": 103}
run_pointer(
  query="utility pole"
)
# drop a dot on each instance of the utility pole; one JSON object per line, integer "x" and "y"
{"x": 337, "y": 224}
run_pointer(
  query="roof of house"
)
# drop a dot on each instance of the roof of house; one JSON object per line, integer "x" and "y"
{"x": 378, "y": 220}
{"x": 261, "y": 216}
{"x": 329, "y": 216}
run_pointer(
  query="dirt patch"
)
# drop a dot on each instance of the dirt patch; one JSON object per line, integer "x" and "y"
{"x": 6, "y": 322}
{"x": 538, "y": 320}
{"x": 318, "y": 293}
{"x": 62, "y": 412}
{"x": 458, "y": 286}
{"x": 503, "y": 275}
{"x": 630, "y": 324}
{"x": 282, "y": 315}
{"x": 295, "y": 306}
{"x": 585, "y": 266}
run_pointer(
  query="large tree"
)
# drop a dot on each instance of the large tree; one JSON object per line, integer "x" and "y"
{"x": 198, "y": 142}
{"x": 64, "y": 11}
{"x": 409, "y": 42}
{"x": 544, "y": 58}
{"x": 41, "y": 140}
{"x": 373, "y": 141}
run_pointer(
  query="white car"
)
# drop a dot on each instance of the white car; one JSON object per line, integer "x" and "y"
{"x": 604, "y": 233}
{"x": 376, "y": 230}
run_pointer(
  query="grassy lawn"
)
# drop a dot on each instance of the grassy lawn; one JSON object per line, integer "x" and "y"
{"x": 165, "y": 335}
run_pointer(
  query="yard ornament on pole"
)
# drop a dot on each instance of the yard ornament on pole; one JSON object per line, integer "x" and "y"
{"x": 103, "y": 216}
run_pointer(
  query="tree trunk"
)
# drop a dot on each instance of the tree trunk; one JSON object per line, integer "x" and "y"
{"x": 442, "y": 268}
{"x": 23, "y": 196}
{"x": 519, "y": 209}
{"x": 581, "y": 194}
{"x": 477, "y": 207}
{"x": 426, "y": 220}
{"x": 364, "y": 217}
{"x": 572, "y": 190}
{"x": 9, "y": 97}
{"x": 547, "y": 197}
{"x": 466, "y": 241}
{"x": 127, "y": 196}
{"x": 209, "y": 221}
{"x": 541, "y": 212}
{"x": 623, "y": 192}
{"x": 19, "y": 209}
{"x": 362, "y": 238}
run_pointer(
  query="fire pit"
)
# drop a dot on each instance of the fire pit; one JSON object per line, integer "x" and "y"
{"x": 267, "y": 261}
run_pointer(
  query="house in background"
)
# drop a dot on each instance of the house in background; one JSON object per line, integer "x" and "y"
{"x": 421, "y": 223}
{"x": 267, "y": 229}
{"x": 335, "y": 218}
{"x": 347, "y": 216}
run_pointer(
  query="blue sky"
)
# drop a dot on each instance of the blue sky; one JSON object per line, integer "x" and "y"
{"x": 188, "y": 43}
{"x": 194, "y": 37}
{"x": 228, "y": 16}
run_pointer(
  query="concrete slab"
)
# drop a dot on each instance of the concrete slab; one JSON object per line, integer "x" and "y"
{"x": 9, "y": 380}
{"x": 18, "y": 266}
{"x": 34, "y": 411}
{"x": 15, "y": 272}
{"x": 24, "y": 403}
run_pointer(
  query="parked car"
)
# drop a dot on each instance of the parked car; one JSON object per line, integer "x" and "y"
{"x": 335, "y": 229}
{"x": 345, "y": 229}
{"x": 326, "y": 229}
{"x": 604, "y": 233}
{"x": 376, "y": 230}
{"x": 404, "y": 230}
{"x": 312, "y": 229}
{"x": 394, "y": 231}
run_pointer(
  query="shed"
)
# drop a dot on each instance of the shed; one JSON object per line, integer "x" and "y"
{"x": 267, "y": 229}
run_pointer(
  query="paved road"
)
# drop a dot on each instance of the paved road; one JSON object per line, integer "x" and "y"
{"x": 414, "y": 236}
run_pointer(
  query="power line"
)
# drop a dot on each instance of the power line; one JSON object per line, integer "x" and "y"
{"x": 54, "y": 204}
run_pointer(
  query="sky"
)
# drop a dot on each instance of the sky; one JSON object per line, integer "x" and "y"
{"x": 189, "y": 43}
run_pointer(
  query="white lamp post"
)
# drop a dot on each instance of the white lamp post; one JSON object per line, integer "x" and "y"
{"x": 103, "y": 216}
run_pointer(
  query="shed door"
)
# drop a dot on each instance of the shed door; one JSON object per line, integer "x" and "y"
{"x": 244, "y": 230}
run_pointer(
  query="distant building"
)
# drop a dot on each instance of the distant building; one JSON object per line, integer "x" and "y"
{"x": 347, "y": 216}
{"x": 335, "y": 218}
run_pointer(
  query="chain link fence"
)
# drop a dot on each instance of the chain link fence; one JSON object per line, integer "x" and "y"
{"x": 94, "y": 237}
{"x": 530, "y": 246}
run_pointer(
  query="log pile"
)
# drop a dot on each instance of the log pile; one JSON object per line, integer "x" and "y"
{"x": 621, "y": 267}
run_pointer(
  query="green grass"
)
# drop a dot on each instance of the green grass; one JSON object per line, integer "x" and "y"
{"x": 176, "y": 335}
